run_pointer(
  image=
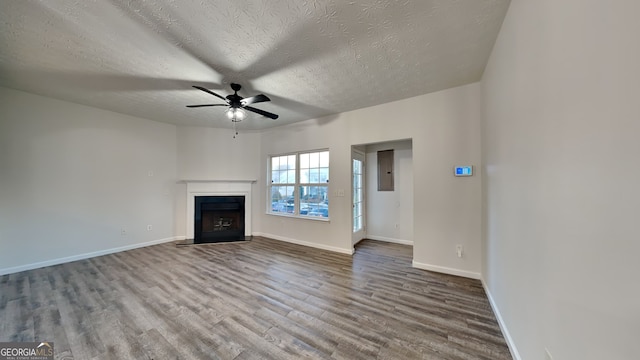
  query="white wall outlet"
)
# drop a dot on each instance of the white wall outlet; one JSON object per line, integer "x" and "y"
{"x": 396, "y": 225}
{"x": 459, "y": 250}
{"x": 150, "y": 173}
{"x": 547, "y": 354}
{"x": 123, "y": 232}
{"x": 340, "y": 192}
{"x": 149, "y": 227}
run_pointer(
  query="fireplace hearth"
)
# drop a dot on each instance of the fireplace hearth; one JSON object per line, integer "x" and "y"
{"x": 219, "y": 219}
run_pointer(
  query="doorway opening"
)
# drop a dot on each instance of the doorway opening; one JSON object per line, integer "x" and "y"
{"x": 382, "y": 215}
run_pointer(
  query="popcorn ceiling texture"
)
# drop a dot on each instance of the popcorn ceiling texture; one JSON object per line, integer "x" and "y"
{"x": 312, "y": 58}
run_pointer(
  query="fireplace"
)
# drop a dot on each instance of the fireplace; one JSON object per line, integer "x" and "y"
{"x": 214, "y": 189}
{"x": 219, "y": 219}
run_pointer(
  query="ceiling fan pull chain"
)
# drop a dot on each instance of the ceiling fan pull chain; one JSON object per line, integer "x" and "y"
{"x": 235, "y": 130}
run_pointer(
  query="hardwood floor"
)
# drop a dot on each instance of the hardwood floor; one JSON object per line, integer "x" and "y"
{"x": 263, "y": 299}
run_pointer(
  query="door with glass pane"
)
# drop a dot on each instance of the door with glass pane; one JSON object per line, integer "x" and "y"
{"x": 358, "y": 196}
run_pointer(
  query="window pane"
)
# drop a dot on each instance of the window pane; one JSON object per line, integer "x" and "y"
{"x": 283, "y": 163}
{"x": 324, "y": 175}
{"x": 282, "y": 199}
{"x": 324, "y": 159}
{"x": 314, "y": 176}
{"x": 304, "y": 176}
{"x": 275, "y": 194}
{"x": 314, "y": 201}
{"x": 283, "y": 177}
{"x": 314, "y": 160}
{"x": 304, "y": 200}
{"x": 291, "y": 176}
{"x": 304, "y": 161}
{"x": 318, "y": 165}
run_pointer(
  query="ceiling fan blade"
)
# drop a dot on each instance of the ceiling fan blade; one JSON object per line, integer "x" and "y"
{"x": 254, "y": 99}
{"x": 261, "y": 112}
{"x": 195, "y": 106}
{"x": 209, "y": 92}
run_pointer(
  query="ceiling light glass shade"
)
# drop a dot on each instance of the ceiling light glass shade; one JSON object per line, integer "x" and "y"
{"x": 236, "y": 114}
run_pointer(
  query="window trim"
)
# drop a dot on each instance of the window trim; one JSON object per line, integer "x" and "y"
{"x": 296, "y": 186}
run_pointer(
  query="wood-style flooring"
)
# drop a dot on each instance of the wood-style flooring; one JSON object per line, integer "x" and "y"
{"x": 262, "y": 299}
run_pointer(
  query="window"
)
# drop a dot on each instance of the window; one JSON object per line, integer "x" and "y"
{"x": 308, "y": 172}
{"x": 283, "y": 181}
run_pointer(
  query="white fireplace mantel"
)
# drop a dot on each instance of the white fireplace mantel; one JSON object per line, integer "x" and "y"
{"x": 218, "y": 188}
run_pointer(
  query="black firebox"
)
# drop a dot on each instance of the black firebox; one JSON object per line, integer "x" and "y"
{"x": 218, "y": 219}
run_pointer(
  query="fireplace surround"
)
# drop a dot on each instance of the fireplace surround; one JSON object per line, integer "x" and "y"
{"x": 217, "y": 188}
{"x": 218, "y": 219}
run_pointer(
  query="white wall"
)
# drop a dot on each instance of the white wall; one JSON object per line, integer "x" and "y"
{"x": 327, "y": 133}
{"x": 214, "y": 154}
{"x": 208, "y": 153}
{"x": 389, "y": 214}
{"x": 71, "y": 177}
{"x": 445, "y": 130}
{"x": 561, "y": 195}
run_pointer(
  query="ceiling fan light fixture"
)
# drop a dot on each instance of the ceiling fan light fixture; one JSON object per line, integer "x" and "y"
{"x": 236, "y": 114}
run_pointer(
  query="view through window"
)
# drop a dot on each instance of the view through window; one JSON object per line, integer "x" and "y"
{"x": 308, "y": 172}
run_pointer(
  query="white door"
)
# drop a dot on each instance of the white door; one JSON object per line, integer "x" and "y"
{"x": 358, "y": 196}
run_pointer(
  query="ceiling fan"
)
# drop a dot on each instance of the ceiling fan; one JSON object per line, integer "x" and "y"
{"x": 238, "y": 104}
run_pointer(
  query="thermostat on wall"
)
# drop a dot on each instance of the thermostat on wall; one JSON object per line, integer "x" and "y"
{"x": 463, "y": 171}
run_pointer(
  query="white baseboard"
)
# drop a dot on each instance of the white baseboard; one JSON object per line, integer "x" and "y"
{"x": 306, "y": 243}
{"x": 446, "y": 270}
{"x": 503, "y": 327}
{"x": 391, "y": 240}
{"x": 67, "y": 259}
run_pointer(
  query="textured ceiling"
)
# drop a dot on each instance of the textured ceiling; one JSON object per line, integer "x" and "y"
{"x": 312, "y": 58}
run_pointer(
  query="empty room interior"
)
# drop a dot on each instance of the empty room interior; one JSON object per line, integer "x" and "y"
{"x": 324, "y": 179}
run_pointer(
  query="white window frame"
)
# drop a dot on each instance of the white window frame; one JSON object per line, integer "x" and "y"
{"x": 296, "y": 186}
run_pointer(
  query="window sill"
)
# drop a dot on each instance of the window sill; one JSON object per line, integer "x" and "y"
{"x": 313, "y": 218}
